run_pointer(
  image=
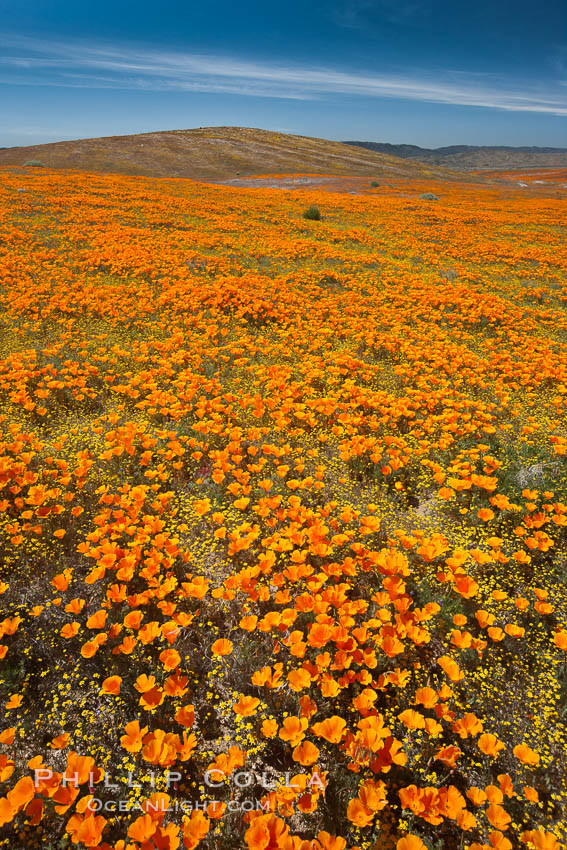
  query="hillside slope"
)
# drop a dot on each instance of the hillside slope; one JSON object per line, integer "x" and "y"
{"x": 284, "y": 510}
{"x": 215, "y": 153}
{"x": 473, "y": 157}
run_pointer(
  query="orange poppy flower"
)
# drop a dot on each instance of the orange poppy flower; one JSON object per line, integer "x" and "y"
{"x": 332, "y": 729}
{"x": 7, "y": 811}
{"x": 194, "y": 830}
{"x": 7, "y": 735}
{"x": 60, "y": 741}
{"x": 299, "y": 679}
{"x": 97, "y": 620}
{"x": 490, "y": 745}
{"x": 69, "y": 630}
{"x": 476, "y": 795}
{"x": 133, "y": 620}
{"x": 410, "y": 842}
{"x": 202, "y": 507}
{"x": 319, "y": 635}
{"x": 21, "y": 794}
{"x": 266, "y": 831}
{"x": 170, "y": 659}
{"x": 293, "y": 730}
{"x": 412, "y": 719}
{"x": 451, "y": 668}
{"x": 132, "y": 740}
{"x": 426, "y": 697}
{"x": 142, "y": 828}
{"x": 89, "y": 649}
{"x": 150, "y": 700}
{"x": 90, "y": 830}
{"x": 79, "y": 768}
{"x": 359, "y": 814}
{"x": 144, "y": 683}
{"x": 222, "y": 647}
{"x": 448, "y": 755}
{"x": 497, "y": 816}
{"x": 269, "y": 728}
{"x": 246, "y": 706}
{"x": 185, "y": 715}
{"x": 526, "y": 755}
{"x": 111, "y": 685}
{"x": 306, "y": 753}
{"x": 216, "y": 809}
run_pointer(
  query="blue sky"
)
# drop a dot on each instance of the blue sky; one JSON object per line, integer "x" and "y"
{"x": 427, "y": 72}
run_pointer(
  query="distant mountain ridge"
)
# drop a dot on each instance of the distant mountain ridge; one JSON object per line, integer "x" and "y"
{"x": 219, "y": 154}
{"x": 473, "y": 157}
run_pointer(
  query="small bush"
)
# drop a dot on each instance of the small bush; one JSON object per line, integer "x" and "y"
{"x": 312, "y": 213}
{"x": 34, "y": 162}
{"x": 429, "y": 196}
{"x": 374, "y": 184}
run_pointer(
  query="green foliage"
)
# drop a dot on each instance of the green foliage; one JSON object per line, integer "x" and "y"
{"x": 35, "y": 162}
{"x": 312, "y": 213}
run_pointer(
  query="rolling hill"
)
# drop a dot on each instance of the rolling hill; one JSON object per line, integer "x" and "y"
{"x": 472, "y": 157}
{"x": 217, "y": 154}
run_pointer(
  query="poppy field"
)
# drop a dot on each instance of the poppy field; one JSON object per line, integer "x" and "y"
{"x": 283, "y": 515}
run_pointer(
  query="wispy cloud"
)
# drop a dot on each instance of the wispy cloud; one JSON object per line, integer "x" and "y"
{"x": 35, "y": 62}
